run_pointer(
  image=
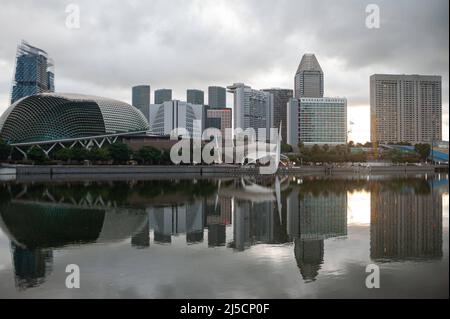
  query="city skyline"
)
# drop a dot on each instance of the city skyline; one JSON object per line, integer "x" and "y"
{"x": 152, "y": 54}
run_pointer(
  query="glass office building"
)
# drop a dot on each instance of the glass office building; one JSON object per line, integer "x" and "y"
{"x": 141, "y": 96}
{"x": 33, "y": 72}
{"x": 195, "y": 96}
{"x": 163, "y": 95}
{"x": 217, "y": 97}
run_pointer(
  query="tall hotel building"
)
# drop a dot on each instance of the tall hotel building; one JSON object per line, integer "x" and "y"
{"x": 33, "y": 73}
{"x": 252, "y": 108}
{"x": 405, "y": 108}
{"x": 312, "y": 118}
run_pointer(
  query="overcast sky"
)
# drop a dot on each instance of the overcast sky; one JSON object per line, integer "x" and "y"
{"x": 182, "y": 44}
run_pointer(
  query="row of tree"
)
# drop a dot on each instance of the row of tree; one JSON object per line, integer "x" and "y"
{"x": 328, "y": 154}
{"x": 120, "y": 153}
{"x": 117, "y": 153}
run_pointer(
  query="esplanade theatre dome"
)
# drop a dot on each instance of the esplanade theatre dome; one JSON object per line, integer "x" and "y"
{"x": 58, "y": 116}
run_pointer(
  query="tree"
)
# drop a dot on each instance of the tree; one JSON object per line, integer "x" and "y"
{"x": 37, "y": 155}
{"x": 80, "y": 154}
{"x": 423, "y": 150}
{"x": 98, "y": 154}
{"x": 63, "y": 154}
{"x": 351, "y": 144}
{"x": 286, "y": 148}
{"x": 326, "y": 148}
{"x": 5, "y": 150}
{"x": 119, "y": 152}
{"x": 165, "y": 158}
{"x": 315, "y": 149}
{"x": 148, "y": 155}
{"x": 300, "y": 145}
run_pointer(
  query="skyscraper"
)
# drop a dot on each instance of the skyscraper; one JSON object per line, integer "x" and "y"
{"x": 252, "y": 108}
{"x": 165, "y": 117}
{"x": 217, "y": 97}
{"x": 33, "y": 74}
{"x": 280, "y": 99}
{"x": 163, "y": 95}
{"x": 309, "y": 78}
{"x": 319, "y": 121}
{"x": 220, "y": 119}
{"x": 405, "y": 108}
{"x": 141, "y": 96}
{"x": 195, "y": 96}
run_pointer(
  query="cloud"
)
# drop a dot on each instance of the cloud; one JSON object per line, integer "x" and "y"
{"x": 194, "y": 44}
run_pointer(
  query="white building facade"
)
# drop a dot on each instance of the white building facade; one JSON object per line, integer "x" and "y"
{"x": 317, "y": 121}
{"x": 405, "y": 108}
{"x": 165, "y": 117}
{"x": 252, "y": 108}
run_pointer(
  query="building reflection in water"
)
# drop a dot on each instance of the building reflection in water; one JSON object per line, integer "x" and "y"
{"x": 312, "y": 219}
{"x": 406, "y": 223}
{"x": 31, "y": 266}
{"x": 406, "y": 219}
{"x": 175, "y": 220}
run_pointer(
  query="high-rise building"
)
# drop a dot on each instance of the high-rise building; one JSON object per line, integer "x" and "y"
{"x": 163, "y": 95}
{"x": 195, "y": 96}
{"x": 165, "y": 117}
{"x": 281, "y": 98}
{"x": 141, "y": 96}
{"x": 292, "y": 129}
{"x": 33, "y": 74}
{"x": 217, "y": 97}
{"x": 219, "y": 118}
{"x": 252, "y": 108}
{"x": 319, "y": 121}
{"x": 405, "y": 108}
{"x": 309, "y": 78}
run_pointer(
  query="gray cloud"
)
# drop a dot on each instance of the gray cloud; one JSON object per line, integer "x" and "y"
{"x": 184, "y": 44}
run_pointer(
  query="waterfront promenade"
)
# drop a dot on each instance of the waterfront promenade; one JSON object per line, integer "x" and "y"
{"x": 61, "y": 171}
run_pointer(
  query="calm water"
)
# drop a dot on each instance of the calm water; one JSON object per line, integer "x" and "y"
{"x": 304, "y": 237}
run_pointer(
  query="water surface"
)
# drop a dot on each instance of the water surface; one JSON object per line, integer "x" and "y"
{"x": 291, "y": 237}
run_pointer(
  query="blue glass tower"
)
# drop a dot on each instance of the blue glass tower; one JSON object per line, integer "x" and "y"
{"x": 33, "y": 73}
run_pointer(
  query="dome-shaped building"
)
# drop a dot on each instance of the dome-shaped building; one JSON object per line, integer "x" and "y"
{"x": 56, "y": 116}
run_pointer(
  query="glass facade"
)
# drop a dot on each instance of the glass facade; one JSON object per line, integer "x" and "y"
{"x": 163, "y": 95}
{"x": 141, "y": 96}
{"x": 195, "y": 97}
{"x": 50, "y": 116}
{"x": 32, "y": 73}
{"x": 281, "y": 98}
{"x": 217, "y": 97}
